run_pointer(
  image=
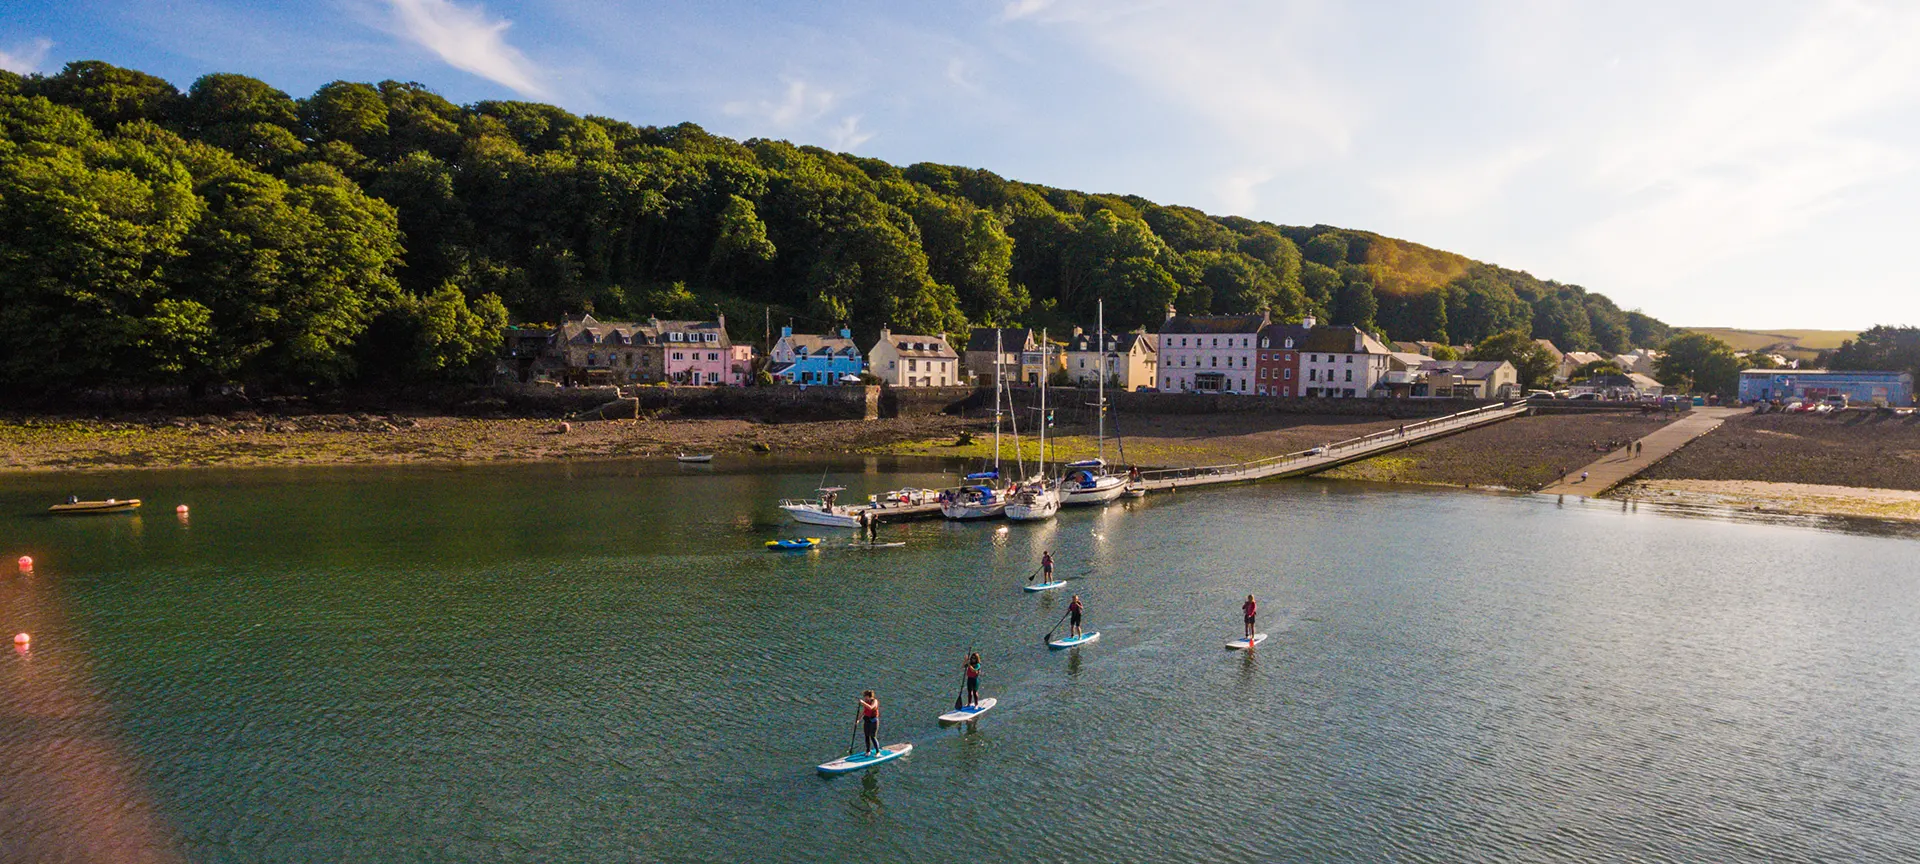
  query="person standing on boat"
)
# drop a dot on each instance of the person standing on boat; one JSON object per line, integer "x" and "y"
{"x": 1073, "y": 614}
{"x": 1247, "y": 610}
{"x": 870, "y": 720}
{"x": 973, "y": 678}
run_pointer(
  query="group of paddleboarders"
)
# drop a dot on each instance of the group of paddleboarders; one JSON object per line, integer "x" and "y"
{"x": 868, "y": 717}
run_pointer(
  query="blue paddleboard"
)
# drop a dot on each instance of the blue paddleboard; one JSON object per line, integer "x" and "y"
{"x": 1071, "y": 641}
{"x": 866, "y": 760}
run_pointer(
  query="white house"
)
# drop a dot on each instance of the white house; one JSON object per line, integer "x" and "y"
{"x": 904, "y": 360}
{"x": 1341, "y": 362}
{"x": 1209, "y": 353}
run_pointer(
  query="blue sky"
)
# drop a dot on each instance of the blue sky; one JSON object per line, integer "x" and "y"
{"x": 1748, "y": 164}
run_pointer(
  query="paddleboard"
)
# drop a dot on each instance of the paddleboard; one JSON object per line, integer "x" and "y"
{"x": 1047, "y": 586}
{"x": 866, "y": 760}
{"x": 877, "y": 545}
{"x": 969, "y": 712}
{"x": 1242, "y": 644}
{"x": 1071, "y": 641}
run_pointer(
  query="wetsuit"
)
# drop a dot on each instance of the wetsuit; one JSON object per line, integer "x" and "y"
{"x": 870, "y": 719}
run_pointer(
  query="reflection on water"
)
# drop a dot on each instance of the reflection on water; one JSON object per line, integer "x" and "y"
{"x": 600, "y": 661}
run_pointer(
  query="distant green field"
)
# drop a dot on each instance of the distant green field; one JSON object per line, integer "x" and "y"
{"x": 1779, "y": 340}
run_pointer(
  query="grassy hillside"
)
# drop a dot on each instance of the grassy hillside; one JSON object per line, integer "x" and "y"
{"x": 1794, "y": 344}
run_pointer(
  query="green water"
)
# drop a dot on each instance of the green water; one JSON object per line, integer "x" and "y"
{"x": 600, "y": 662}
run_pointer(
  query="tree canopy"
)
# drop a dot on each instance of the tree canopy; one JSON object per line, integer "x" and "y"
{"x": 1699, "y": 363}
{"x": 1532, "y": 363}
{"x": 379, "y": 233}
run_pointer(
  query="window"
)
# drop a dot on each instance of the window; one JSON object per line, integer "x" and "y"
{"x": 1287, "y": 374}
{"x": 1264, "y": 343}
{"x": 891, "y": 364}
{"x": 1313, "y": 374}
{"x": 713, "y": 356}
{"x": 1243, "y": 361}
{"x": 713, "y": 377}
{"x": 1216, "y": 360}
{"x": 1263, "y": 377}
{"x": 1289, "y": 343}
{"x": 1313, "y": 358}
{"x": 913, "y": 365}
{"x": 1349, "y": 359}
{"x": 1216, "y": 341}
{"x": 713, "y": 337}
{"x": 1349, "y": 378}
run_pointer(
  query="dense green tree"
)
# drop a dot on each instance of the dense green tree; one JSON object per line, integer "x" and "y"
{"x": 1698, "y": 363}
{"x": 1531, "y": 362}
{"x": 1327, "y": 250}
{"x": 109, "y": 95}
{"x": 1357, "y": 306}
{"x": 1880, "y": 348}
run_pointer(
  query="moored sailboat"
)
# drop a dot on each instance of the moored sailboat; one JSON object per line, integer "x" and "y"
{"x": 1038, "y": 497}
{"x": 1090, "y": 481}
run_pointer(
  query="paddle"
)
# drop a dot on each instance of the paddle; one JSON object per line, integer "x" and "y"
{"x": 855, "y": 736}
{"x": 1056, "y": 625}
{"x": 960, "y": 698}
{"x": 1036, "y": 572}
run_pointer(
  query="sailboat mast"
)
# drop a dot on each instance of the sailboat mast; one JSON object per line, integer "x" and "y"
{"x": 1043, "y": 404}
{"x": 1100, "y": 342}
{"x": 996, "y": 401}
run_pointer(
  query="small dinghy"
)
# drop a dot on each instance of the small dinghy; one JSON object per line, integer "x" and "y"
{"x": 694, "y": 459}
{"x": 866, "y": 760}
{"x": 968, "y": 712}
{"x": 793, "y": 543}
{"x": 75, "y": 507}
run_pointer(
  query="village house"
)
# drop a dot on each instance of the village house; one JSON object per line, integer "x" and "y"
{"x": 1613, "y": 386}
{"x": 1019, "y": 358}
{"x": 587, "y": 351}
{"x": 904, "y": 360}
{"x": 526, "y": 355}
{"x": 1342, "y": 362}
{"x": 1474, "y": 379}
{"x": 800, "y": 358}
{"x": 1571, "y": 361}
{"x": 1132, "y": 359}
{"x": 699, "y": 352}
{"x": 1209, "y": 353}
{"x": 1278, "y": 361}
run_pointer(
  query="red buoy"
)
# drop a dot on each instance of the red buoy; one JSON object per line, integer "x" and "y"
{"x": 21, "y": 638}
{"x": 26, "y": 564}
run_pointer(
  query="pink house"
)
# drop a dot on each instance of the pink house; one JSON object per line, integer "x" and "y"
{"x": 698, "y": 352}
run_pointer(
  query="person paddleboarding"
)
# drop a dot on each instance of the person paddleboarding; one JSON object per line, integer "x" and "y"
{"x": 1073, "y": 616}
{"x": 973, "y": 678}
{"x": 870, "y": 720}
{"x": 1247, "y": 610}
{"x": 1046, "y": 567}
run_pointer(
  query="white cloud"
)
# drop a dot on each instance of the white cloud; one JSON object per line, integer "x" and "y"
{"x": 1245, "y": 74}
{"x": 804, "y": 109}
{"x": 27, "y": 60}
{"x": 468, "y": 40}
{"x": 1023, "y": 9}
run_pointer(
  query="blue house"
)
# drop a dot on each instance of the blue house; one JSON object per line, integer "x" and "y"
{"x": 799, "y": 358}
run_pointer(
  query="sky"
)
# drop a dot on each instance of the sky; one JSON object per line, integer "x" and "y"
{"x": 1745, "y": 164}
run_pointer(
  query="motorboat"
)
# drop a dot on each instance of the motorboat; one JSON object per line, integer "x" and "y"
{"x": 77, "y": 507}
{"x": 824, "y": 509}
{"x": 694, "y": 459}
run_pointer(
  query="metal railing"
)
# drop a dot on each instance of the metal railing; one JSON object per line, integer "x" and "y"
{"x": 1326, "y": 454}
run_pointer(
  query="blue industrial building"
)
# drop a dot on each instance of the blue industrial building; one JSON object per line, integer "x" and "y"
{"x": 1860, "y": 388}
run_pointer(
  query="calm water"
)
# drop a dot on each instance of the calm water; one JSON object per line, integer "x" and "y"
{"x": 599, "y": 662}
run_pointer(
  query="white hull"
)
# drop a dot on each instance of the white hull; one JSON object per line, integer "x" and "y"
{"x": 1034, "y": 506}
{"x": 971, "y": 512}
{"x": 1104, "y": 489}
{"x": 838, "y": 517}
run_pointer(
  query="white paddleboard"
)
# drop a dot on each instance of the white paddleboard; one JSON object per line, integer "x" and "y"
{"x": 879, "y": 545}
{"x": 969, "y": 712}
{"x": 866, "y": 760}
{"x": 1047, "y": 586}
{"x": 1071, "y": 641}
{"x": 1242, "y": 644}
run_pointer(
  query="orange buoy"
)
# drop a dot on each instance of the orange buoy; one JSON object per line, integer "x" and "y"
{"x": 26, "y": 564}
{"x": 182, "y": 509}
{"x": 21, "y": 638}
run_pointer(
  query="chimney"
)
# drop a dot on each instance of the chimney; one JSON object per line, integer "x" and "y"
{"x": 1307, "y": 322}
{"x": 722, "y": 320}
{"x": 846, "y": 333}
{"x": 1076, "y": 332}
{"x": 785, "y": 332}
{"x": 1169, "y": 313}
{"x": 653, "y": 322}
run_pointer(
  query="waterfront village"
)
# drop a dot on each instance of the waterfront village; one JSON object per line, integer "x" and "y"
{"x": 1247, "y": 355}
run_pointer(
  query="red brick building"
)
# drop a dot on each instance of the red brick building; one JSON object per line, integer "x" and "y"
{"x": 1279, "y": 359}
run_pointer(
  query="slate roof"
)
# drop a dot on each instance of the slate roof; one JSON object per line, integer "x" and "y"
{"x": 1011, "y": 339}
{"x": 820, "y": 344}
{"x": 1117, "y": 343}
{"x": 1276, "y": 335}
{"x": 909, "y": 345}
{"x": 1471, "y": 370}
{"x": 1214, "y": 324}
{"x": 1340, "y": 340}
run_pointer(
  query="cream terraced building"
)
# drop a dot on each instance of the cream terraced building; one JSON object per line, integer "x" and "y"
{"x": 905, "y": 360}
{"x": 1209, "y": 353}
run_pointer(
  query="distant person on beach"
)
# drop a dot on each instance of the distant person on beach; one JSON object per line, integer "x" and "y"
{"x": 1583, "y": 476}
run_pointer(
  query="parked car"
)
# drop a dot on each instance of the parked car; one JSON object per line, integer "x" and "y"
{"x": 1590, "y": 397}
{"x": 1837, "y": 401}
{"x": 1541, "y": 394}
